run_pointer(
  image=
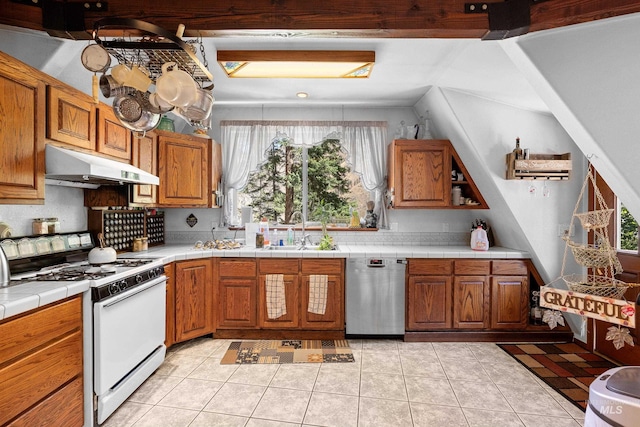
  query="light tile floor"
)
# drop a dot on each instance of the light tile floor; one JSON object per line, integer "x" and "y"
{"x": 392, "y": 383}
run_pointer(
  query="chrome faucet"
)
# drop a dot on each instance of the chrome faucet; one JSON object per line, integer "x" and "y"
{"x": 5, "y": 274}
{"x": 305, "y": 237}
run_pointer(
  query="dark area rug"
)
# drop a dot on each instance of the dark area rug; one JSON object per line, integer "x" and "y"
{"x": 567, "y": 368}
{"x": 288, "y": 351}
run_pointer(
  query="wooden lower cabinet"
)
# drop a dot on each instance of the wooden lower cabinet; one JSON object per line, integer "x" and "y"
{"x": 467, "y": 294}
{"x": 333, "y": 316}
{"x": 193, "y": 298}
{"x": 509, "y": 302}
{"x": 170, "y": 319}
{"x": 41, "y": 366}
{"x": 237, "y": 293}
{"x": 268, "y": 271}
{"x": 471, "y": 302}
{"x": 429, "y": 303}
{"x": 243, "y": 298}
{"x": 228, "y": 296}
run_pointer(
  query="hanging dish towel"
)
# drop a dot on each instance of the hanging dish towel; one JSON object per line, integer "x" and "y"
{"x": 318, "y": 284}
{"x": 276, "y": 300}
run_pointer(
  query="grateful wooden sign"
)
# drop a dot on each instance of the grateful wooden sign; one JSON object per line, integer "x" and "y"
{"x": 609, "y": 310}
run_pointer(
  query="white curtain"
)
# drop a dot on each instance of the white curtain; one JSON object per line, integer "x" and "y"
{"x": 244, "y": 144}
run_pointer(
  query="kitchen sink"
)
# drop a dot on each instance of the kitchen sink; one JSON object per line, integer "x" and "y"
{"x": 295, "y": 248}
{"x": 283, "y": 248}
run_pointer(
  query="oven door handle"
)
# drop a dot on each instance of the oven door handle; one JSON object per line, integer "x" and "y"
{"x": 135, "y": 291}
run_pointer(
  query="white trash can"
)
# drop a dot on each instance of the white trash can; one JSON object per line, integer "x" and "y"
{"x": 614, "y": 399}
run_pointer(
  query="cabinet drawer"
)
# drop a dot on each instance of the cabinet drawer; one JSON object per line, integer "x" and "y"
{"x": 467, "y": 267}
{"x": 437, "y": 267}
{"x": 506, "y": 267}
{"x": 63, "y": 408}
{"x": 278, "y": 266}
{"x": 21, "y": 335}
{"x": 237, "y": 268}
{"x": 32, "y": 378}
{"x": 322, "y": 266}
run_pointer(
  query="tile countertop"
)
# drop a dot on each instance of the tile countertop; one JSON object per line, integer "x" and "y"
{"x": 21, "y": 298}
{"x": 170, "y": 253}
{"x": 18, "y": 299}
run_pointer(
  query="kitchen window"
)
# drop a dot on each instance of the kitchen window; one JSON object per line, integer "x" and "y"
{"x": 246, "y": 142}
{"x": 624, "y": 227}
{"x": 627, "y": 229}
{"x": 276, "y": 190}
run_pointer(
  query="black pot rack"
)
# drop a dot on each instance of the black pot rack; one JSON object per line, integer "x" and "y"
{"x": 152, "y": 50}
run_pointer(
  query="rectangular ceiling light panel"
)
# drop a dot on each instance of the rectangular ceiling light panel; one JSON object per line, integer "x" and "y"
{"x": 296, "y": 63}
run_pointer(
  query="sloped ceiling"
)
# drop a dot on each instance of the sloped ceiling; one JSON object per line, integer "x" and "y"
{"x": 405, "y": 69}
{"x": 590, "y": 81}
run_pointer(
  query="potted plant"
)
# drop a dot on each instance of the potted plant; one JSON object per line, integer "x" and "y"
{"x": 324, "y": 212}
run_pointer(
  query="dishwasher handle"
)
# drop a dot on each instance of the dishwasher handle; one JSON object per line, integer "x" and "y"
{"x": 383, "y": 262}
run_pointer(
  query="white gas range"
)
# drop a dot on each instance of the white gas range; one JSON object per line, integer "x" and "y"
{"x": 128, "y": 331}
{"x": 124, "y": 323}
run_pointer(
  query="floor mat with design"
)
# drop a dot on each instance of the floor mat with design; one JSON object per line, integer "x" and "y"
{"x": 567, "y": 368}
{"x": 288, "y": 351}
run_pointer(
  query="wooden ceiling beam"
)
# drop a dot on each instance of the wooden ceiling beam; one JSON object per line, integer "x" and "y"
{"x": 327, "y": 18}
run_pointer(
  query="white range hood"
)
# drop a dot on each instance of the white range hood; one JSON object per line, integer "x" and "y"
{"x": 68, "y": 167}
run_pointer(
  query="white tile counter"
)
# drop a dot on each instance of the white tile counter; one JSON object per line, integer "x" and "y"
{"x": 170, "y": 253}
{"x": 18, "y": 299}
{"x": 21, "y": 298}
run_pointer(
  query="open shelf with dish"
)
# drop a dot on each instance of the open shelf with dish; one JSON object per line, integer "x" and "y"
{"x": 472, "y": 197}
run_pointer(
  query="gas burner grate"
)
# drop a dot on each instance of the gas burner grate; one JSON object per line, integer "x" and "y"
{"x": 130, "y": 262}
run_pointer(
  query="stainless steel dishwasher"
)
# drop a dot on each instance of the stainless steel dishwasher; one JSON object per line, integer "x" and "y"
{"x": 375, "y": 296}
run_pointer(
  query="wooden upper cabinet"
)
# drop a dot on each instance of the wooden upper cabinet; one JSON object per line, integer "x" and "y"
{"x": 145, "y": 156}
{"x": 420, "y": 173}
{"x": 71, "y": 117}
{"x": 22, "y": 133}
{"x": 216, "y": 171}
{"x": 113, "y": 138}
{"x": 183, "y": 168}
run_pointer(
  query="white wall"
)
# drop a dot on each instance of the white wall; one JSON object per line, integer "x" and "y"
{"x": 65, "y": 203}
{"x": 590, "y": 81}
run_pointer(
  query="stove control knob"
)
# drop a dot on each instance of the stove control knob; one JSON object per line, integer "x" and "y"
{"x": 114, "y": 288}
{"x": 122, "y": 285}
{"x": 153, "y": 273}
{"x": 139, "y": 278}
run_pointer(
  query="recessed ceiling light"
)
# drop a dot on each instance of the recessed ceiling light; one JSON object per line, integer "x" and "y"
{"x": 296, "y": 63}
{"x": 302, "y": 95}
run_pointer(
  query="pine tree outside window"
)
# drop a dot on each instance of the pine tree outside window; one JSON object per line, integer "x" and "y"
{"x": 627, "y": 230}
{"x": 260, "y": 147}
{"x": 275, "y": 189}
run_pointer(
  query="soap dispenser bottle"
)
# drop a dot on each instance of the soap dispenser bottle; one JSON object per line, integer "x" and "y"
{"x": 290, "y": 240}
{"x": 264, "y": 230}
